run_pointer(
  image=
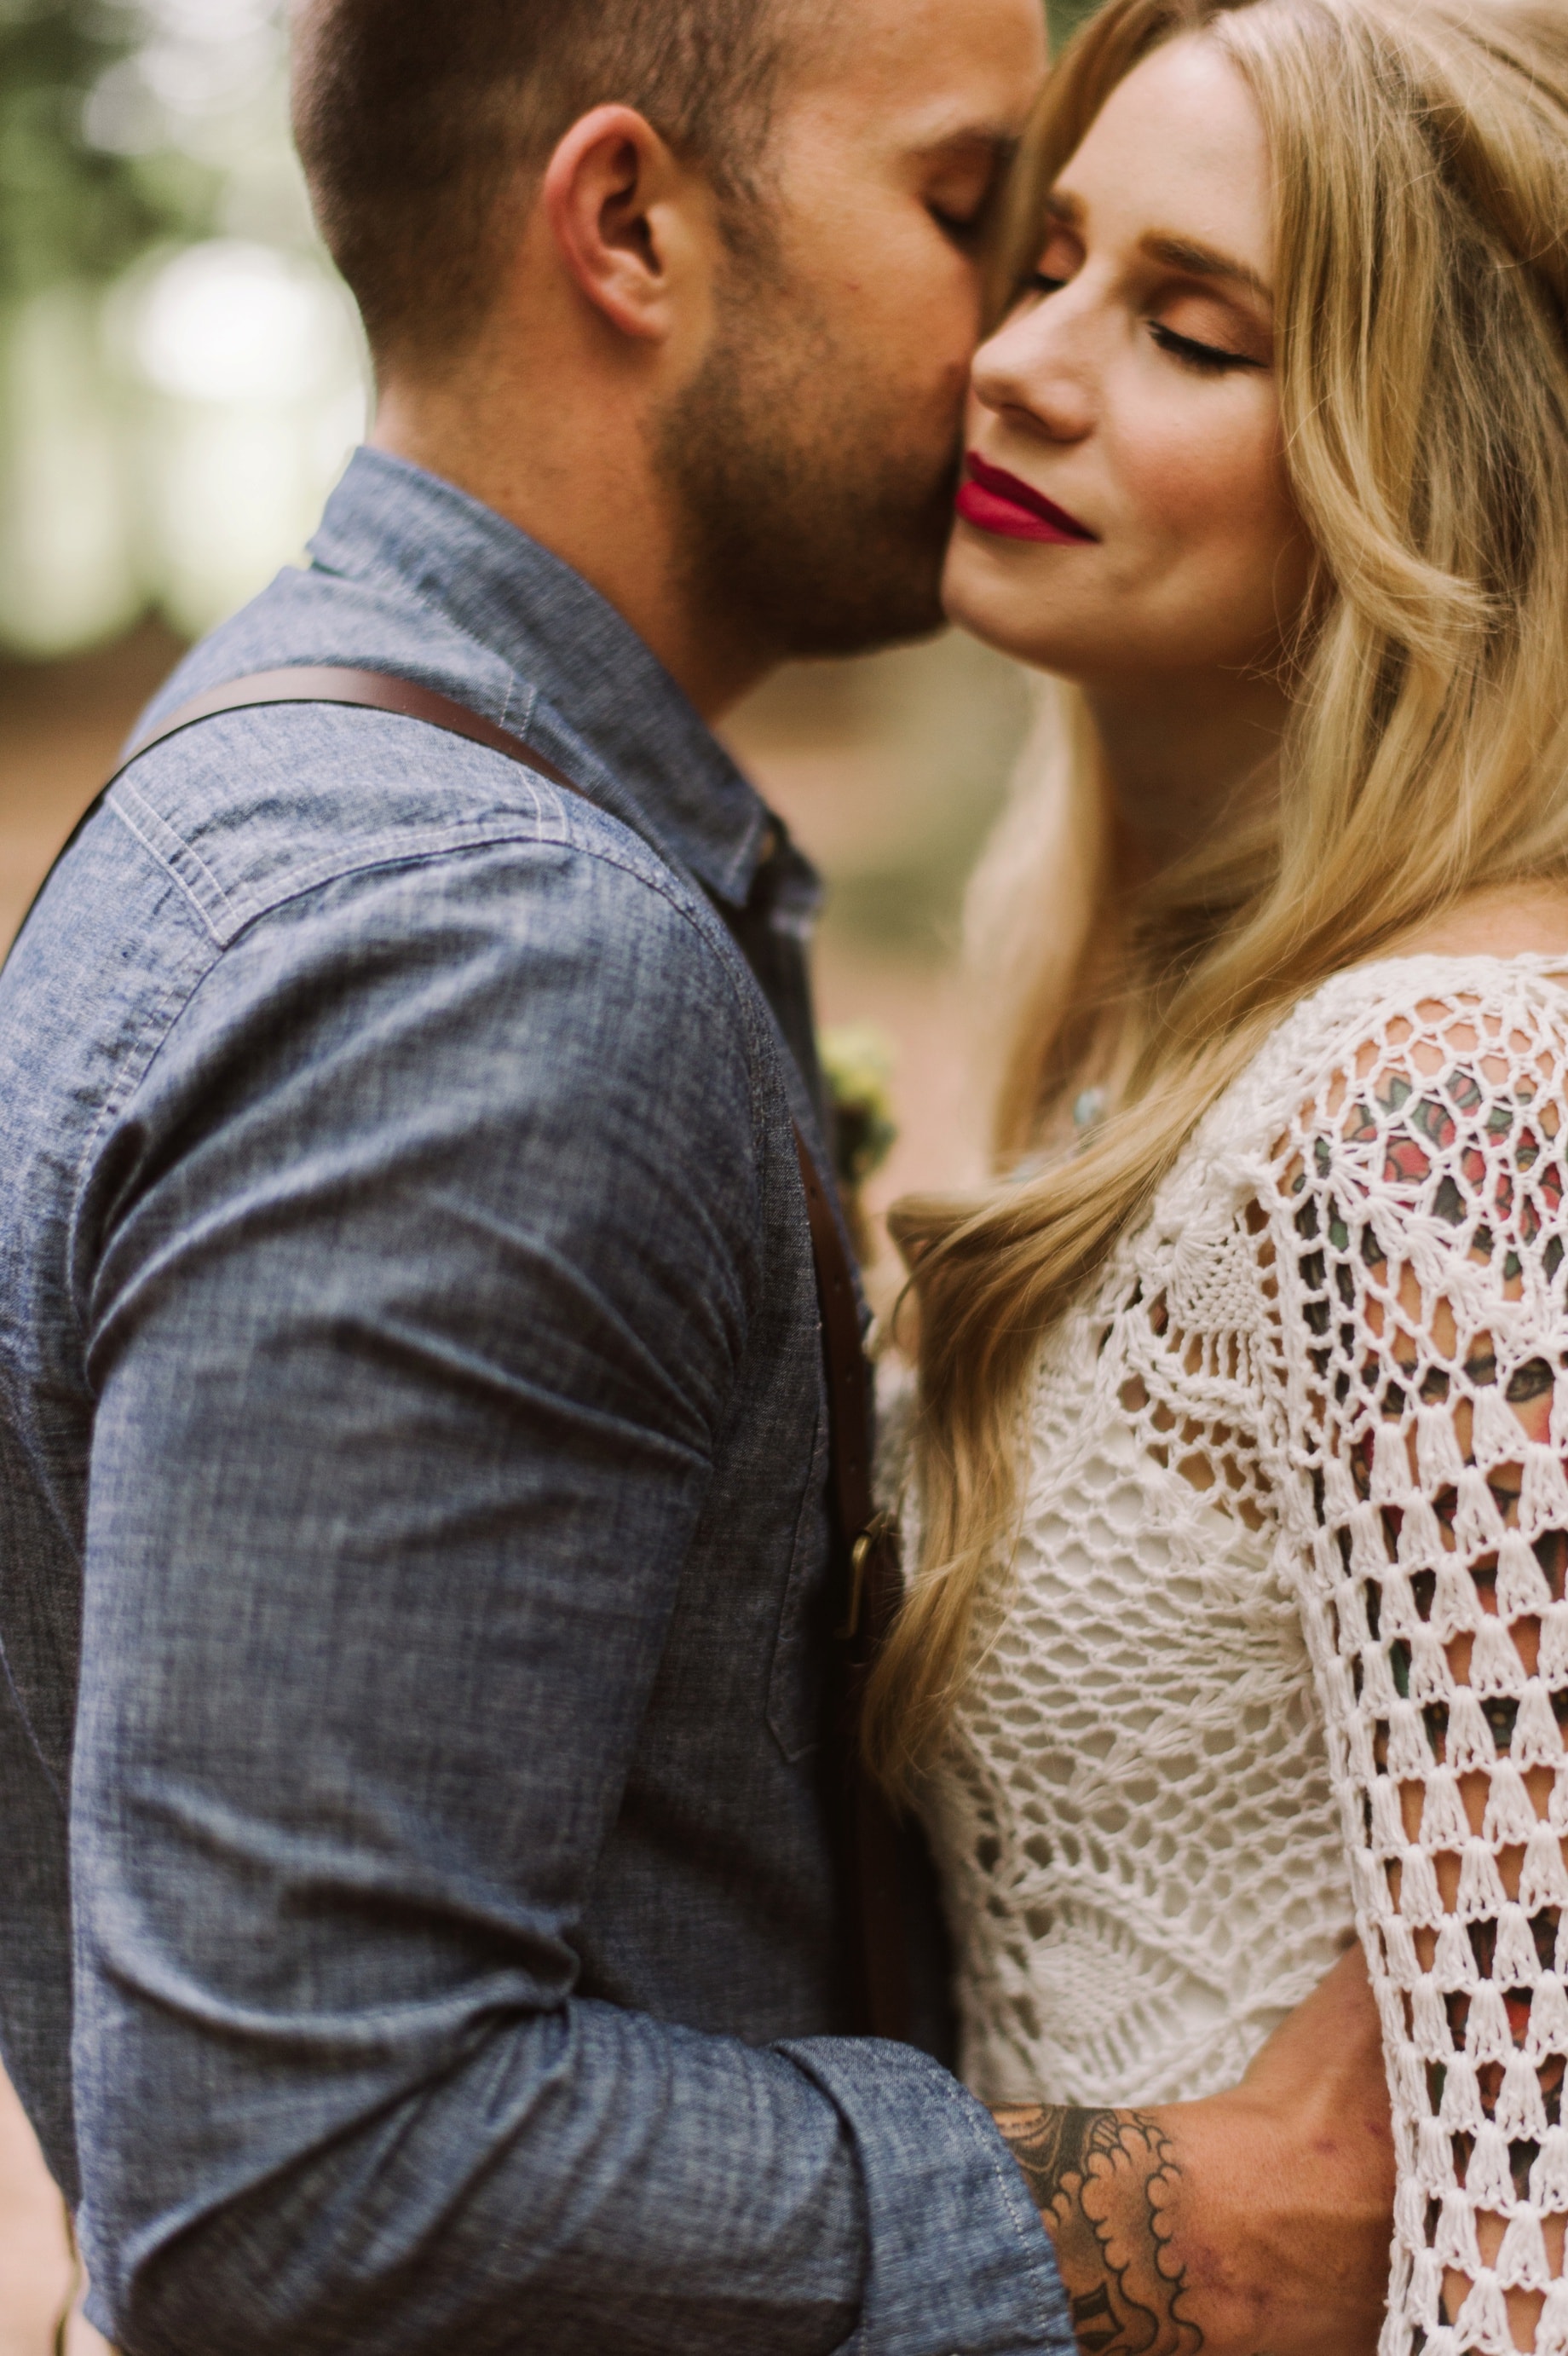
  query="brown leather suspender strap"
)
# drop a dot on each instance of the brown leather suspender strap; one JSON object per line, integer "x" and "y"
{"x": 370, "y": 690}
{"x": 373, "y": 691}
{"x": 869, "y": 1566}
{"x": 865, "y": 1542}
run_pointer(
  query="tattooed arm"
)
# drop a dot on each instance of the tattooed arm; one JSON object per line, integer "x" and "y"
{"x": 1107, "y": 2183}
{"x": 1256, "y": 2224}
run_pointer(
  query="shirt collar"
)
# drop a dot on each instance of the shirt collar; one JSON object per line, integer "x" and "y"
{"x": 573, "y": 652}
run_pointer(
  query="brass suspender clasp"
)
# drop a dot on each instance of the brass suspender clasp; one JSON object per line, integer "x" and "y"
{"x": 879, "y": 1528}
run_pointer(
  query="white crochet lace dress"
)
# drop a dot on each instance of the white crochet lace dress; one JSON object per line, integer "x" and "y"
{"x": 1285, "y": 1645}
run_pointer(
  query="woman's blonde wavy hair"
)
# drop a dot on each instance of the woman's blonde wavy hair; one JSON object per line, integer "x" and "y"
{"x": 1420, "y": 155}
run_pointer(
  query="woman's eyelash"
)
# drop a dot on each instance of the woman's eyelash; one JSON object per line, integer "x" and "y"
{"x": 1210, "y": 358}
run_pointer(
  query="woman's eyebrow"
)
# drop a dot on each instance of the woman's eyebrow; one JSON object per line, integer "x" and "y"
{"x": 1168, "y": 248}
{"x": 1201, "y": 260}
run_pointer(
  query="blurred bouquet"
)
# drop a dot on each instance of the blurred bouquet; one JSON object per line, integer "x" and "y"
{"x": 858, "y": 1071}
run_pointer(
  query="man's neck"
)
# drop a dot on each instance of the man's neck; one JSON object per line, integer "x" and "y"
{"x": 582, "y": 486}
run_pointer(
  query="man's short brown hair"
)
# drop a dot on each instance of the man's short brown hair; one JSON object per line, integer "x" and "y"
{"x": 418, "y": 125}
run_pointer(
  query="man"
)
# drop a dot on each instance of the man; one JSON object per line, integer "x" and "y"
{"x": 411, "y": 1406}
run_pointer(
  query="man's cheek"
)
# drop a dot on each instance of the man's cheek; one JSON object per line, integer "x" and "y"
{"x": 933, "y": 352}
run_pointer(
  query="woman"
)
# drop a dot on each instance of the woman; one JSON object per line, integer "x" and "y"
{"x": 1242, "y": 1616}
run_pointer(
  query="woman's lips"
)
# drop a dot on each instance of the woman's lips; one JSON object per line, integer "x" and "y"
{"x": 993, "y": 500}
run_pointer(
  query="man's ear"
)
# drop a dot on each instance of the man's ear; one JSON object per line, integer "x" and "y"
{"x": 615, "y": 196}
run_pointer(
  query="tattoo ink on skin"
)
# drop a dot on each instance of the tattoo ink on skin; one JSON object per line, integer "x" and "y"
{"x": 1105, "y": 2183}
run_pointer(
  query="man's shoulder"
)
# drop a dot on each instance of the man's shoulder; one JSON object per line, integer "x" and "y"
{"x": 269, "y": 866}
{"x": 254, "y": 809}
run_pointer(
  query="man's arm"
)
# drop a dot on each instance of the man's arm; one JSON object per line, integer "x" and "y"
{"x": 1254, "y": 2224}
{"x": 416, "y": 1276}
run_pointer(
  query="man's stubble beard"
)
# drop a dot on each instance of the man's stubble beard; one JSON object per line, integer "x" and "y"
{"x": 810, "y": 522}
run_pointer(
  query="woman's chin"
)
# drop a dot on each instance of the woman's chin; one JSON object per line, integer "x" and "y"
{"x": 1013, "y": 615}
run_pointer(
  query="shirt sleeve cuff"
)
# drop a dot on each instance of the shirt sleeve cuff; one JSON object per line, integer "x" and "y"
{"x": 958, "y": 2262}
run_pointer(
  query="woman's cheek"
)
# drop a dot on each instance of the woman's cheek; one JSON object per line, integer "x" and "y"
{"x": 1215, "y": 482}
{"x": 1192, "y": 475}
{"x": 1281, "y": 550}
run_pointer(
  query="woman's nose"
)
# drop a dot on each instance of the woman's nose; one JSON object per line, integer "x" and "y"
{"x": 1039, "y": 365}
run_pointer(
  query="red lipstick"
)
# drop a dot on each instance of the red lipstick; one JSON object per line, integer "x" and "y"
{"x": 993, "y": 500}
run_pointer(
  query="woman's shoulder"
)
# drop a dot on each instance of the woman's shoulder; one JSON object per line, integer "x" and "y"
{"x": 1455, "y": 974}
{"x": 1412, "y": 1108}
{"x": 1474, "y": 1000}
{"x": 1508, "y": 922}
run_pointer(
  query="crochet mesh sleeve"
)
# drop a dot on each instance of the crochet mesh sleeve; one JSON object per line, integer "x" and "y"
{"x": 1412, "y": 1247}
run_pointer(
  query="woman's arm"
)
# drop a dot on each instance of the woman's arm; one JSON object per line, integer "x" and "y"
{"x": 1417, "y": 1235}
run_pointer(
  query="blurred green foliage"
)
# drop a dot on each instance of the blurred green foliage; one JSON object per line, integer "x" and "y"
{"x": 67, "y": 210}
{"x": 1064, "y": 16}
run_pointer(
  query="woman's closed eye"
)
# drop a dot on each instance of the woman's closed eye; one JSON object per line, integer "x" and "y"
{"x": 1209, "y": 360}
{"x": 1061, "y": 258}
{"x": 1195, "y": 352}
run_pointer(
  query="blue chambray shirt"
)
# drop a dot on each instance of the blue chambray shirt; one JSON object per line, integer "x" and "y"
{"x": 420, "y": 1932}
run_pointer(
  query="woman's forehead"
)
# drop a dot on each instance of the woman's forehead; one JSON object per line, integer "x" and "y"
{"x": 1177, "y": 154}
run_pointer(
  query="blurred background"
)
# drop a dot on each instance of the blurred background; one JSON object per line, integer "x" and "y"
{"x": 181, "y": 380}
